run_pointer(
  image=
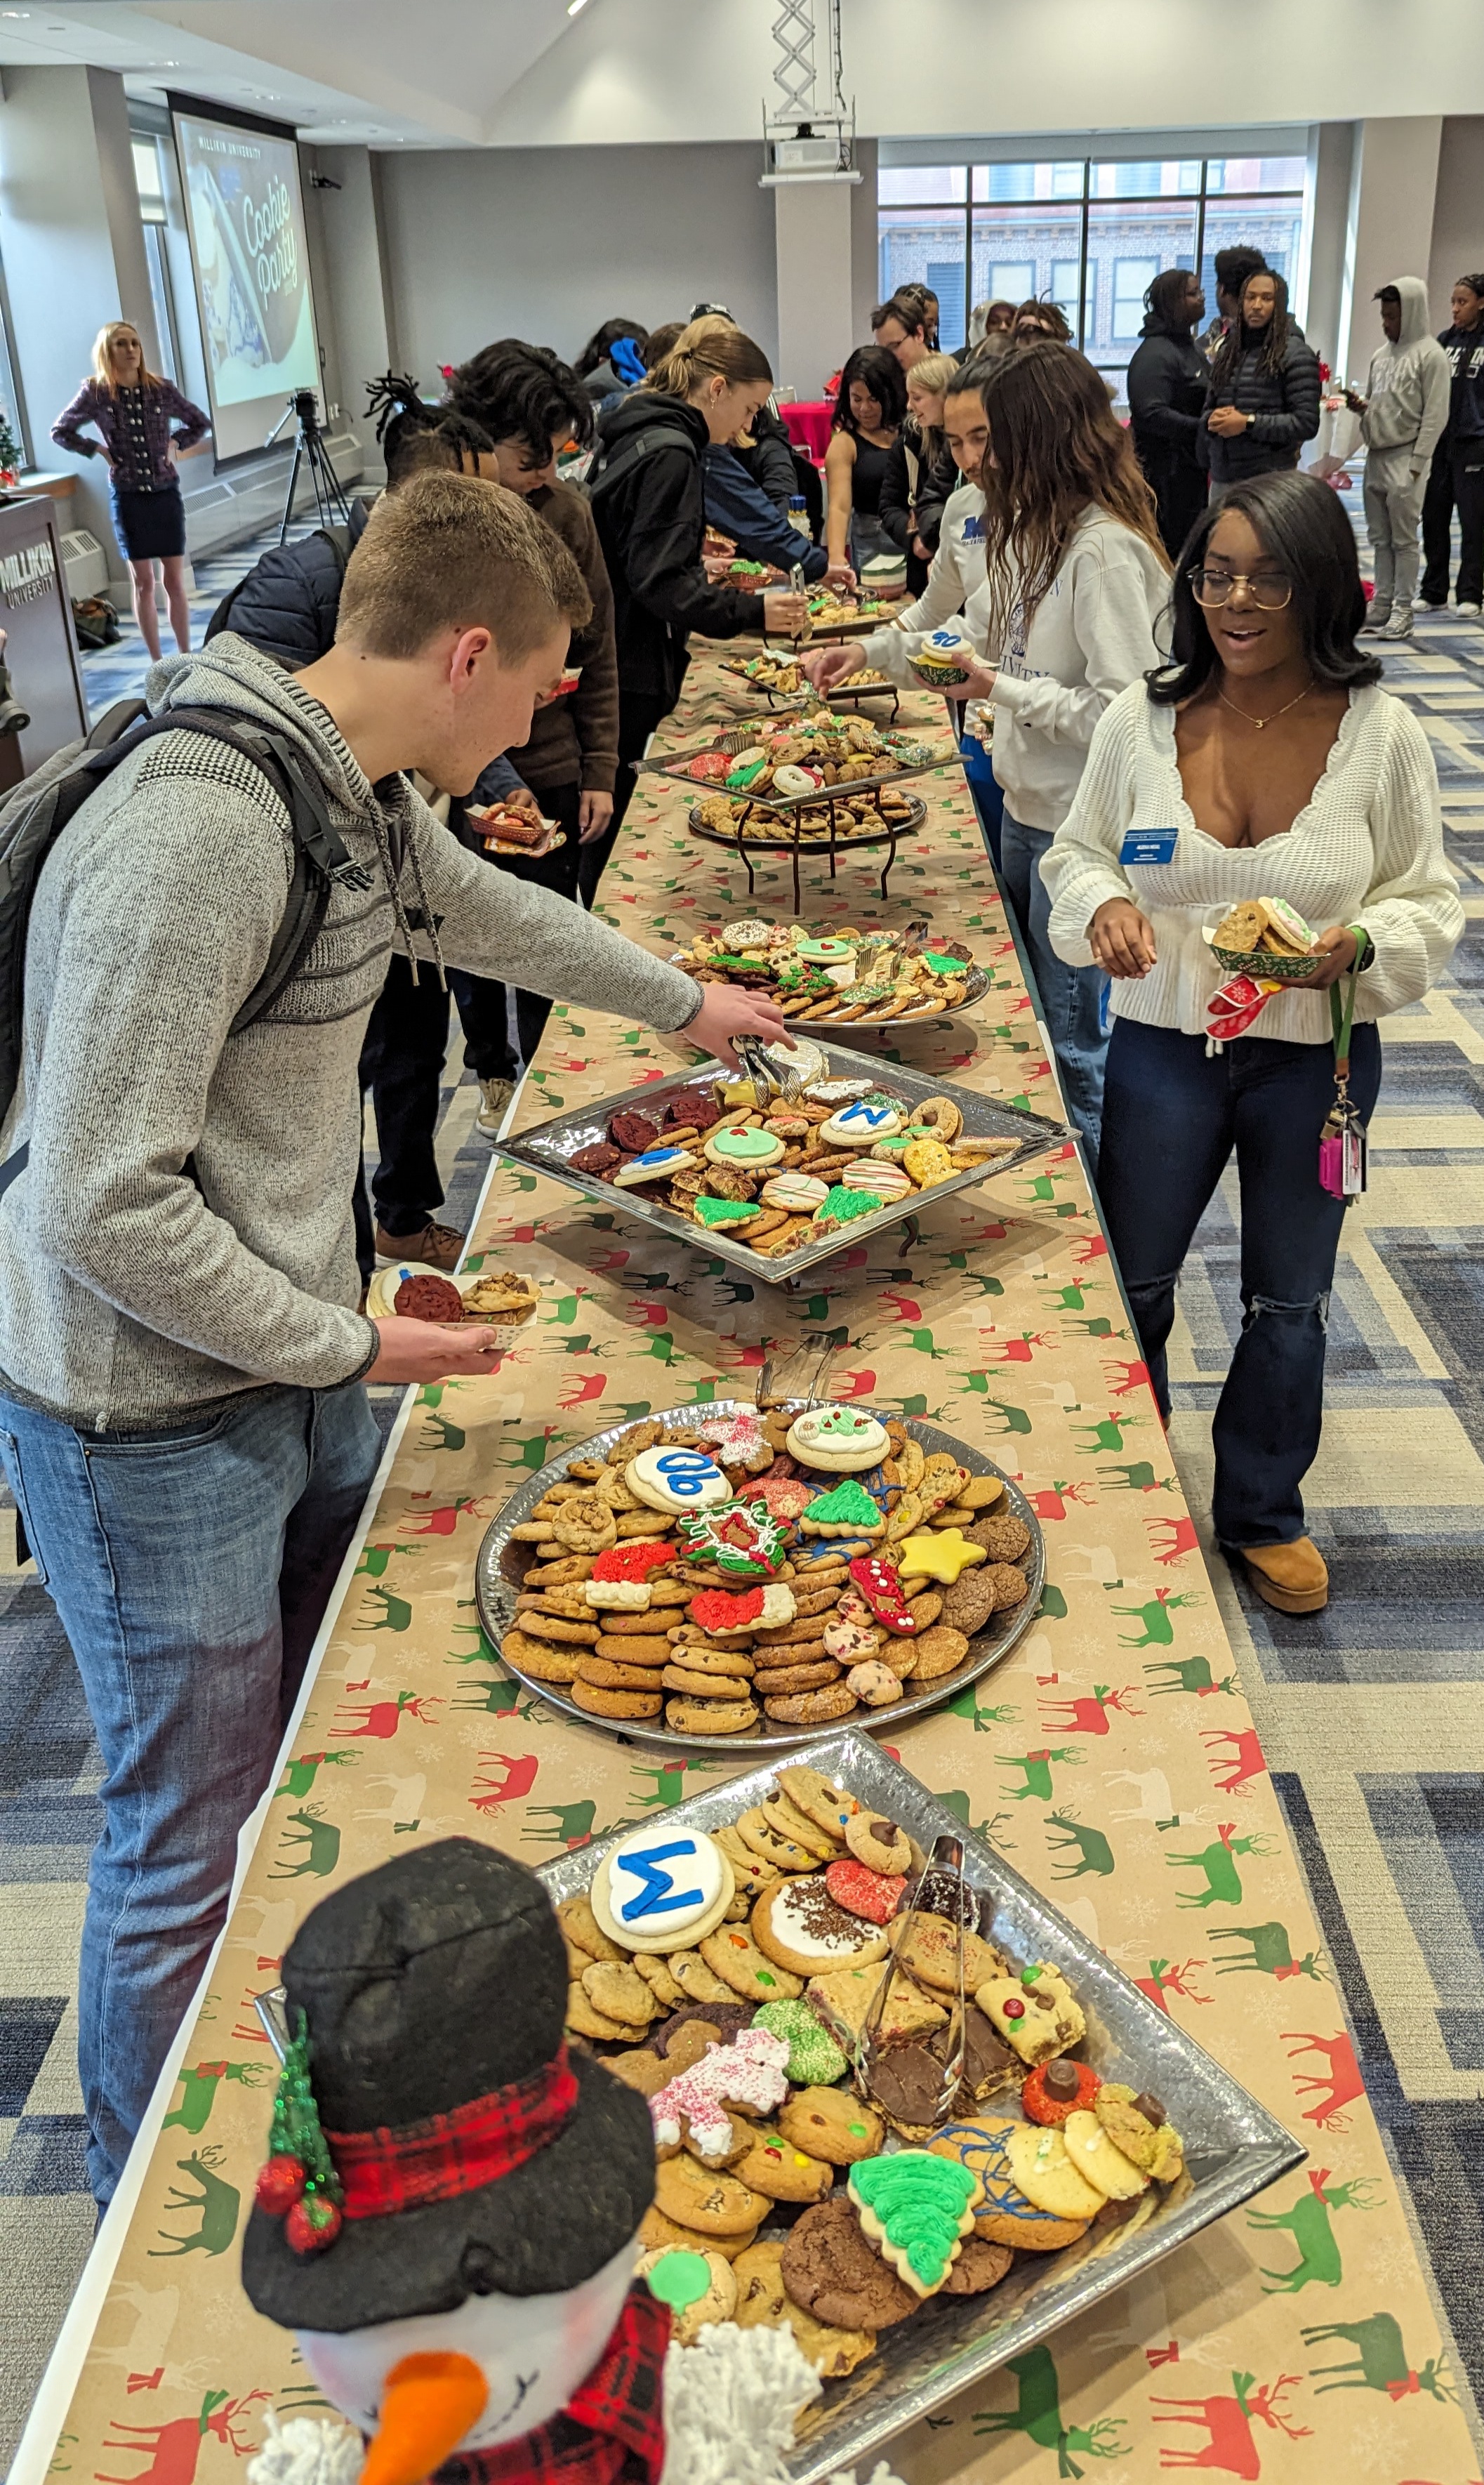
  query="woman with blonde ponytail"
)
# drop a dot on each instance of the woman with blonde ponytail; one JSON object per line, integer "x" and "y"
{"x": 648, "y": 502}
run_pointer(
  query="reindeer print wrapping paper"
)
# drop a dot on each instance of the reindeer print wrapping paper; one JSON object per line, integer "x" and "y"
{"x": 1112, "y": 1758}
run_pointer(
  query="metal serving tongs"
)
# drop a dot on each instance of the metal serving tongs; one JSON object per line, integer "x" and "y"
{"x": 945, "y": 1865}
{"x": 772, "y": 1390}
{"x": 915, "y": 934}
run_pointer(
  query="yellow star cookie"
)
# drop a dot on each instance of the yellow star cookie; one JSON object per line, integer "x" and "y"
{"x": 942, "y": 1555}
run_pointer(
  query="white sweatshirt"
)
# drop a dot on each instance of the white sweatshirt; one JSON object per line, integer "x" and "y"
{"x": 1366, "y": 848}
{"x": 957, "y": 570}
{"x": 1094, "y": 632}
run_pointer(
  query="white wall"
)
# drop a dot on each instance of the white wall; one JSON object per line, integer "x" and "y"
{"x": 545, "y": 245}
{"x": 647, "y": 69}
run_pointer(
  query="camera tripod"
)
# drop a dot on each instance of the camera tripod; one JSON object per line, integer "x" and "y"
{"x": 309, "y": 450}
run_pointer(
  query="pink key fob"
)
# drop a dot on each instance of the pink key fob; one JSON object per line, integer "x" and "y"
{"x": 1332, "y": 1164}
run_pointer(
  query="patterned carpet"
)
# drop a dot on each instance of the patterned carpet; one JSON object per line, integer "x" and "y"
{"x": 1370, "y": 1713}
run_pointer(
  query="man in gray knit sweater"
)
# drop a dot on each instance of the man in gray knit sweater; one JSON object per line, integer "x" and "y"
{"x": 181, "y": 1420}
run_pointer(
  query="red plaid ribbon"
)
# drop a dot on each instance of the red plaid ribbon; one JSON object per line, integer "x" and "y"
{"x": 449, "y": 2154}
{"x": 610, "y": 2432}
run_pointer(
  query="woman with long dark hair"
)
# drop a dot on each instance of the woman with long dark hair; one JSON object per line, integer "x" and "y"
{"x": 870, "y": 410}
{"x": 1167, "y": 385}
{"x": 1262, "y": 402}
{"x": 1262, "y": 761}
{"x": 647, "y": 494}
{"x": 143, "y": 424}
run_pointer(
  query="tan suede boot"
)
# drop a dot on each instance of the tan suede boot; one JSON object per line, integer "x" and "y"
{"x": 1293, "y": 1578}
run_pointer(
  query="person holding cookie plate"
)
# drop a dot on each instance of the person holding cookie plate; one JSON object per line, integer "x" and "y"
{"x": 1261, "y": 765}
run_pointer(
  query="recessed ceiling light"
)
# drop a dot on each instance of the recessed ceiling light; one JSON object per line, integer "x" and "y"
{"x": 576, "y": 7}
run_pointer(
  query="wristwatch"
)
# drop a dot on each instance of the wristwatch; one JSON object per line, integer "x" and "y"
{"x": 1251, "y": 419}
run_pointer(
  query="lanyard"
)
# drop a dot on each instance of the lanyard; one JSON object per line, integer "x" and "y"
{"x": 1342, "y": 1019}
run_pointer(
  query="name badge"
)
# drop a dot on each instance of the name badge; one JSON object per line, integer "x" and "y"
{"x": 1147, "y": 845}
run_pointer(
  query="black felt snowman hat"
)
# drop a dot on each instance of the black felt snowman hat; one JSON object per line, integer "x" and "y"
{"x": 466, "y": 2154}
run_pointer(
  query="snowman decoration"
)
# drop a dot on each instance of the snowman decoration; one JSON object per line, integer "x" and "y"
{"x": 448, "y": 2216}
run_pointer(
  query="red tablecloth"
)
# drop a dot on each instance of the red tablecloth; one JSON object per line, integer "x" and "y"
{"x": 809, "y": 427}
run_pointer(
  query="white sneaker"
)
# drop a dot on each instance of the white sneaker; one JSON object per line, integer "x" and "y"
{"x": 1375, "y": 621}
{"x": 1399, "y": 625}
{"x": 494, "y": 1096}
{"x": 1471, "y": 611}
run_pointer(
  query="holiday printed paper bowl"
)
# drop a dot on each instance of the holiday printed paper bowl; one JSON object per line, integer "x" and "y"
{"x": 1235, "y": 2148}
{"x": 1265, "y": 966}
{"x": 940, "y": 662}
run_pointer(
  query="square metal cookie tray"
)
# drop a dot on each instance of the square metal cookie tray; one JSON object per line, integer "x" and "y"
{"x": 549, "y": 1147}
{"x": 1233, "y": 2147}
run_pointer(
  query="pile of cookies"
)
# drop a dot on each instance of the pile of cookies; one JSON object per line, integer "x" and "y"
{"x": 500, "y": 1296}
{"x": 784, "y": 678}
{"x": 780, "y": 1176}
{"x": 837, "y": 977}
{"x": 804, "y": 754}
{"x": 828, "y": 610}
{"x": 798, "y": 1565}
{"x": 858, "y": 2103}
{"x": 853, "y": 817}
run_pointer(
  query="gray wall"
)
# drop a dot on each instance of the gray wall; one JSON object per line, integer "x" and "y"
{"x": 1458, "y": 218}
{"x": 75, "y": 251}
{"x": 547, "y": 243}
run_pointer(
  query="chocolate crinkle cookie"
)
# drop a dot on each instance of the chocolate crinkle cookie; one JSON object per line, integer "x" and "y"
{"x": 633, "y": 1133}
{"x": 427, "y": 1299}
{"x": 830, "y": 2269}
{"x": 600, "y": 1158}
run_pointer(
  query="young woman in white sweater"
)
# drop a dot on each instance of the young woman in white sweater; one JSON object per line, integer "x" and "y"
{"x": 1262, "y": 761}
{"x": 1075, "y": 578}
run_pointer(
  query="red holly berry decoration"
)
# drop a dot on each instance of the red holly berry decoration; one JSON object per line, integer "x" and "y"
{"x": 311, "y": 2224}
{"x": 280, "y": 2184}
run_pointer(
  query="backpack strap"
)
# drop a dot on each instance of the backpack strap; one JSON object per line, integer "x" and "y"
{"x": 654, "y": 435}
{"x": 321, "y": 860}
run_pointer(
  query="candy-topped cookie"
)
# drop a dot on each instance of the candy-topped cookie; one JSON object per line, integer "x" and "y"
{"x": 675, "y": 1479}
{"x": 739, "y": 1537}
{"x": 1058, "y": 2088}
{"x": 842, "y": 1440}
{"x": 658, "y": 1890}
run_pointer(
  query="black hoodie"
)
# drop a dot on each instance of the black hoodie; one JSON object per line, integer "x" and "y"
{"x": 1167, "y": 384}
{"x": 651, "y": 521}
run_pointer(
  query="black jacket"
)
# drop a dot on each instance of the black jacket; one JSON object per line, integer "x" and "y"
{"x": 288, "y": 605}
{"x": 1167, "y": 379}
{"x": 1286, "y": 406}
{"x": 650, "y": 521}
{"x": 769, "y": 461}
{"x": 1464, "y": 350}
{"x": 934, "y": 480}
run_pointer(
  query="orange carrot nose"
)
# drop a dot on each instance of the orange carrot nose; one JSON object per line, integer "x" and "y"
{"x": 428, "y": 2405}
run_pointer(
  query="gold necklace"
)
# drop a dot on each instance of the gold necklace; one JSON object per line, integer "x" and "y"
{"x": 1262, "y": 723}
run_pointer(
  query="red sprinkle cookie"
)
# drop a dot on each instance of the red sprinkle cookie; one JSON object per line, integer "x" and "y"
{"x": 1057, "y": 2088}
{"x": 863, "y": 1893}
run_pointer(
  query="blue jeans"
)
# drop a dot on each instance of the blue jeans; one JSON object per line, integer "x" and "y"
{"x": 190, "y": 1569}
{"x": 1073, "y": 998}
{"x": 1170, "y": 1119}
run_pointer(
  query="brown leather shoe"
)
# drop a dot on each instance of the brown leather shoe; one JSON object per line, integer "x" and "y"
{"x": 1292, "y": 1578}
{"x": 437, "y": 1246}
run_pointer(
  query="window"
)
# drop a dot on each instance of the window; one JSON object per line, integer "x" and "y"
{"x": 1131, "y": 276}
{"x": 1088, "y": 235}
{"x": 149, "y": 180}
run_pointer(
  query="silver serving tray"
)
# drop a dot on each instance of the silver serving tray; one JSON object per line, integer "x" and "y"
{"x": 1235, "y": 2148}
{"x": 549, "y": 1147}
{"x": 495, "y": 1589}
{"x": 734, "y": 741}
{"x": 975, "y": 977}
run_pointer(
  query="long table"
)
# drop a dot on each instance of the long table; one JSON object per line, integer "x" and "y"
{"x": 1112, "y": 1758}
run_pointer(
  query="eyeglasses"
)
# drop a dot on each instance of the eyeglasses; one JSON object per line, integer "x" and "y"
{"x": 1212, "y": 587}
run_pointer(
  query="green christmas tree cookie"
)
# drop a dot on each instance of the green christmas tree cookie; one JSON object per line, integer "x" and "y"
{"x": 914, "y": 2207}
{"x": 848, "y": 1510}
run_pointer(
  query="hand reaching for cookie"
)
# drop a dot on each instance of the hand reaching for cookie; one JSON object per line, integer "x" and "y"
{"x": 725, "y": 1013}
